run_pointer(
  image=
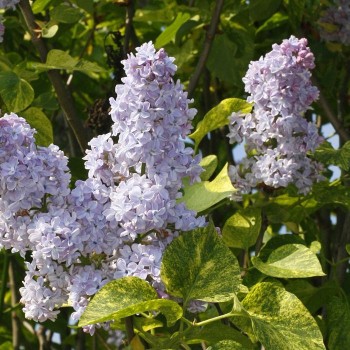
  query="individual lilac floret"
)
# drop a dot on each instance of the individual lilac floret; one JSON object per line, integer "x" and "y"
{"x": 276, "y": 134}
{"x": 335, "y": 23}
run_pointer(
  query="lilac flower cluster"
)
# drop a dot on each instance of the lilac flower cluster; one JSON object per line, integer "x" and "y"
{"x": 117, "y": 222}
{"x": 335, "y": 23}
{"x": 2, "y": 30}
{"x": 8, "y": 4}
{"x": 276, "y": 134}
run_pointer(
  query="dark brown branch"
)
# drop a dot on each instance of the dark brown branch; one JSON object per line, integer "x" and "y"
{"x": 64, "y": 97}
{"x": 339, "y": 128}
{"x": 129, "y": 27}
{"x": 206, "y": 48}
{"x": 129, "y": 327}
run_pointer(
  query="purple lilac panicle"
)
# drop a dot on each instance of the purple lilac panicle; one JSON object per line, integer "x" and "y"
{"x": 276, "y": 131}
{"x": 82, "y": 238}
{"x": 335, "y": 23}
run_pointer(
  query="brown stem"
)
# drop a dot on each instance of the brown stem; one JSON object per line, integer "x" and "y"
{"x": 129, "y": 27}
{"x": 206, "y": 48}
{"x": 64, "y": 97}
{"x": 338, "y": 126}
{"x": 129, "y": 327}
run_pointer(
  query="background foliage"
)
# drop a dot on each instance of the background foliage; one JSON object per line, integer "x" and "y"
{"x": 279, "y": 276}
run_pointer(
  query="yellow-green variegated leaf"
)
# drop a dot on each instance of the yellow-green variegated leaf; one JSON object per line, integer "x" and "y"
{"x": 279, "y": 319}
{"x": 290, "y": 261}
{"x": 198, "y": 265}
{"x": 125, "y": 297}
{"x": 218, "y": 117}
{"x": 242, "y": 229}
{"x": 209, "y": 164}
{"x": 203, "y": 195}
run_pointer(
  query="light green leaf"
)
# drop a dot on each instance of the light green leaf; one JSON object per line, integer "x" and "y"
{"x": 198, "y": 265}
{"x": 347, "y": 247}
{"x": 125, "y": 297}
{"x": 242, "y": 229}
{"x": 327, "y": 155}
{"x": 170, "y": 32}
{"x": 218, "y": 117}
{"x": 57, "y": 59}
{"x": 65, "y": 13}
{"x": 6, "y": 346}
{"x": 41, "y": 123}
{"x": 277, "y": 20}
{"x": 40, "y": 5}
{"x": 49, "y": 31}
{"x": 290, "y": 261}
{"x": 17, "y": 93}
{"x": 209, "y": 164}
{"x": 279, "y": 319}
{"x": 227, "y": 345}
{"x": 338, "y": 324}
{"x": 203, "y": 195}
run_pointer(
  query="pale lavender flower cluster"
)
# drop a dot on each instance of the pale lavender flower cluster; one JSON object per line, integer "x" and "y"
{"x": 8, "y": 4}
{"x": 335, "y": 23}
{"x": 276, "y": 134}
{"x": 2, "y": 30}
{"x": 119, "y": 221}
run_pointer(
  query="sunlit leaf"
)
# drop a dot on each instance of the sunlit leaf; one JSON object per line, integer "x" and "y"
{"x": 198, "y": 265}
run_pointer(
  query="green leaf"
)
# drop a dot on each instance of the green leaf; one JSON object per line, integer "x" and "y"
{"x": 40, "y": 5}
{"x": 338, "y": 324}
{"x": 170, "y": 32}
{"x": 290, "y": 261}
{"x": 65, "y": 13}
{"x": 49, "y": 31}
{"x": 198, "y": 265}
{"x": 279, "y": 319}
{"x": 16, "y": 93}
{"x": 262, "y": 9}
{"x": 217, "y": 331}
{"x": 46, "y": 100}
{"x": 41, "y": 123}
{"x": 6, "y": 346}
{"x": 86, "y": 5}
{"x": 347, "y": 247}
{"x": 209, "y": 164}
{"x": 277, "y": 20}
{"x": 227, "y": 345}
{"x": 242, "y": 229}
{"x": 296, "y": 10}
{"x": 57, "y": 59}
{"x": 327, "y": 155}
{"x": 203, "y": 195}
{"x": 218, "y": 117}
{"x": 125, "y": 297}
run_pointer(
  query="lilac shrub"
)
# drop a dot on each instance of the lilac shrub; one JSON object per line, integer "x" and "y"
{"x": 276, "y": 134}
{"x": 335, "y": 23}
{"x": 117, "y": 222}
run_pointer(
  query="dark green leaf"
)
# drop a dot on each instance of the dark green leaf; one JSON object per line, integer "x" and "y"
{"x": 330, "y": 156}
{"x": 262, "y": 9}
{"x": 17, "y": 93}
{"x": 65, "y": 13}
{"x": 290, "y": 261}
{"x": 218, "y": 117}
{"x": 227, "y": 345}
{"x": 125, "y": 297}
{"x": 39, "y": 121}
{"x": 203, "y": 195}
{"x": 338, "y": 312}
{"x": 242, "y": 229}
{"x": 198, "y": 265}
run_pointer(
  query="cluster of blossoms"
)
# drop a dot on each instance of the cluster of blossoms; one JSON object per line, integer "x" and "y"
{"x": 6, "y": 4}
{"x": 335, "y": 23}
{"x": 117, "y": 222}
{"x": 277, "y": 136}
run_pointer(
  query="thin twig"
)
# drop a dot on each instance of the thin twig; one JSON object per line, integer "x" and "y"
{"x": 64, "y": 97}
{"x": 331, "y": 116}
{"x": 206, "y": 48}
